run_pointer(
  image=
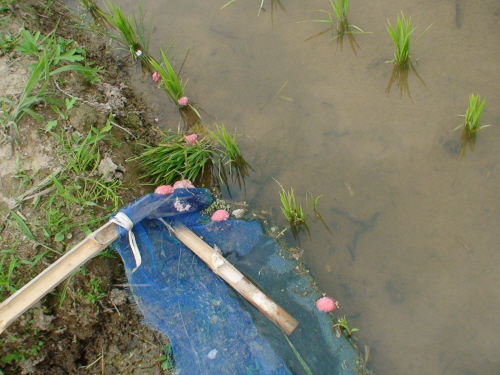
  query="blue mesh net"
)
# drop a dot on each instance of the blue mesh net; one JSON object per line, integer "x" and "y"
{"x": 212, "y": 329}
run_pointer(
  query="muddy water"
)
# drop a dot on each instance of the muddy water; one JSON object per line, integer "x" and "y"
{"x": 414, "y": 253}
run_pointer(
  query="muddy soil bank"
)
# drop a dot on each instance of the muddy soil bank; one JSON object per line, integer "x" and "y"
{"x": 94, "y": 329}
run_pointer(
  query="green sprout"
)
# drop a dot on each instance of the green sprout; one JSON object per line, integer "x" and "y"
{"x": 342, "y": 324}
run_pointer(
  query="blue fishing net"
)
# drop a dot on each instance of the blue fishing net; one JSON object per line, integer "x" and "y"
{"x": 211, "y": 328}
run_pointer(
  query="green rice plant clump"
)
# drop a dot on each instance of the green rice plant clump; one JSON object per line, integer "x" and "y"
{"x": 400, "y": 36}
{"x": 473, "y": 114}
{"x": 228, "y": 145}
{"x": 174, "y": 159}
{"x": 132, "y": 34}
{"x": 340, "y": 8}
{"x": 293, "y": 213}
{"x": 170, "y": 81}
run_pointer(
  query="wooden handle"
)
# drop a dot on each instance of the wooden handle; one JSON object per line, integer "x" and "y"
{"x": 221, "y": 267}
{"x": 28, "y": 295}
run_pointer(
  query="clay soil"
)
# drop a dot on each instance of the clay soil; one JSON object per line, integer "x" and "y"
{"x": 76, "y": 336}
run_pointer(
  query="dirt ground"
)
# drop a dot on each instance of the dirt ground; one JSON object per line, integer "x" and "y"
{"x": 103, "y": 335}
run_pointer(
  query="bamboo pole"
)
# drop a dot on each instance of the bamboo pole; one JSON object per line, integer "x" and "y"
{"x": 48, "y": 279}
{"x": 97, "y": 241}
{"x": 221, "y": 267}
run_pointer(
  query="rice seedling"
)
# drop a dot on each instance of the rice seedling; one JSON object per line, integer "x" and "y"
{"x": 274, "y": 5}
{"x": 231, "y": 156}
{"x": 471, "y": 124}
{"x": 170, "y": 82}
{"x": 228, "y": 142}
{"x": 132, "y": 34}
{"x": 292, "y": 212}
{"x": 472, "y": 117}
{"x": 337, "y": 19}
{"x": 96, "y": 13}
{"x": 401, "y": 36}
{"x": 174, "y": 159}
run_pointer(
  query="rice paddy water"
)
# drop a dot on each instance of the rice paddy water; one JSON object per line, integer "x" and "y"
{"x": 414, "y": 254}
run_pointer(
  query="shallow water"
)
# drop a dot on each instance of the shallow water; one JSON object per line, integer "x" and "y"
{"x": 414, "y": 253}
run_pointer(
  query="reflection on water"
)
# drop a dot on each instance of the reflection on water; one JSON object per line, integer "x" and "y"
{"x": 394, "y": 194}
{"x": 400, "y": 74}
{"x": 468, "y": 138}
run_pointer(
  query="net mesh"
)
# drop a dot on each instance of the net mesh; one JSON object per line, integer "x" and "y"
{"x": 211, "y": 328}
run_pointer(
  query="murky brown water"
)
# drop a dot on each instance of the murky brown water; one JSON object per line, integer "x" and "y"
{"x": 414, "y": 256}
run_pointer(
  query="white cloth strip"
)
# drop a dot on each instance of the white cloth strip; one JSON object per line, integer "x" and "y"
{"x": 124, "y": 221}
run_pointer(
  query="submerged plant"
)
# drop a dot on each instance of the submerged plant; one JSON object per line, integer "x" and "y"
{"x": 473, "y": 114}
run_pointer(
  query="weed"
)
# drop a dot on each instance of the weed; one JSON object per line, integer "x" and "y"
{"x": 167, "y": 359}
{"x": 82, "y": 153}
{"x": 314, "y": 201}
{"x": 342, "y": 324}
{"x": 8, "y": 43}
{"x": 94, "y": 295}
{"x": 9, "y": 262}
{"x": 55, "y": 56}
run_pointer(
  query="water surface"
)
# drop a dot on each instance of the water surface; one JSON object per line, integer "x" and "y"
{"x": 414, "y": 253}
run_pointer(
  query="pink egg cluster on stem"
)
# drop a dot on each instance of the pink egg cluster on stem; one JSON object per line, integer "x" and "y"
{"x": 164, "y": 190}
{"x": 183, "y": 101}
{"x": 156, "y": 76}
{"x": 326, "y": 304}
{"x": 191, "y": 139}
{"x": 220, "y": 215}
